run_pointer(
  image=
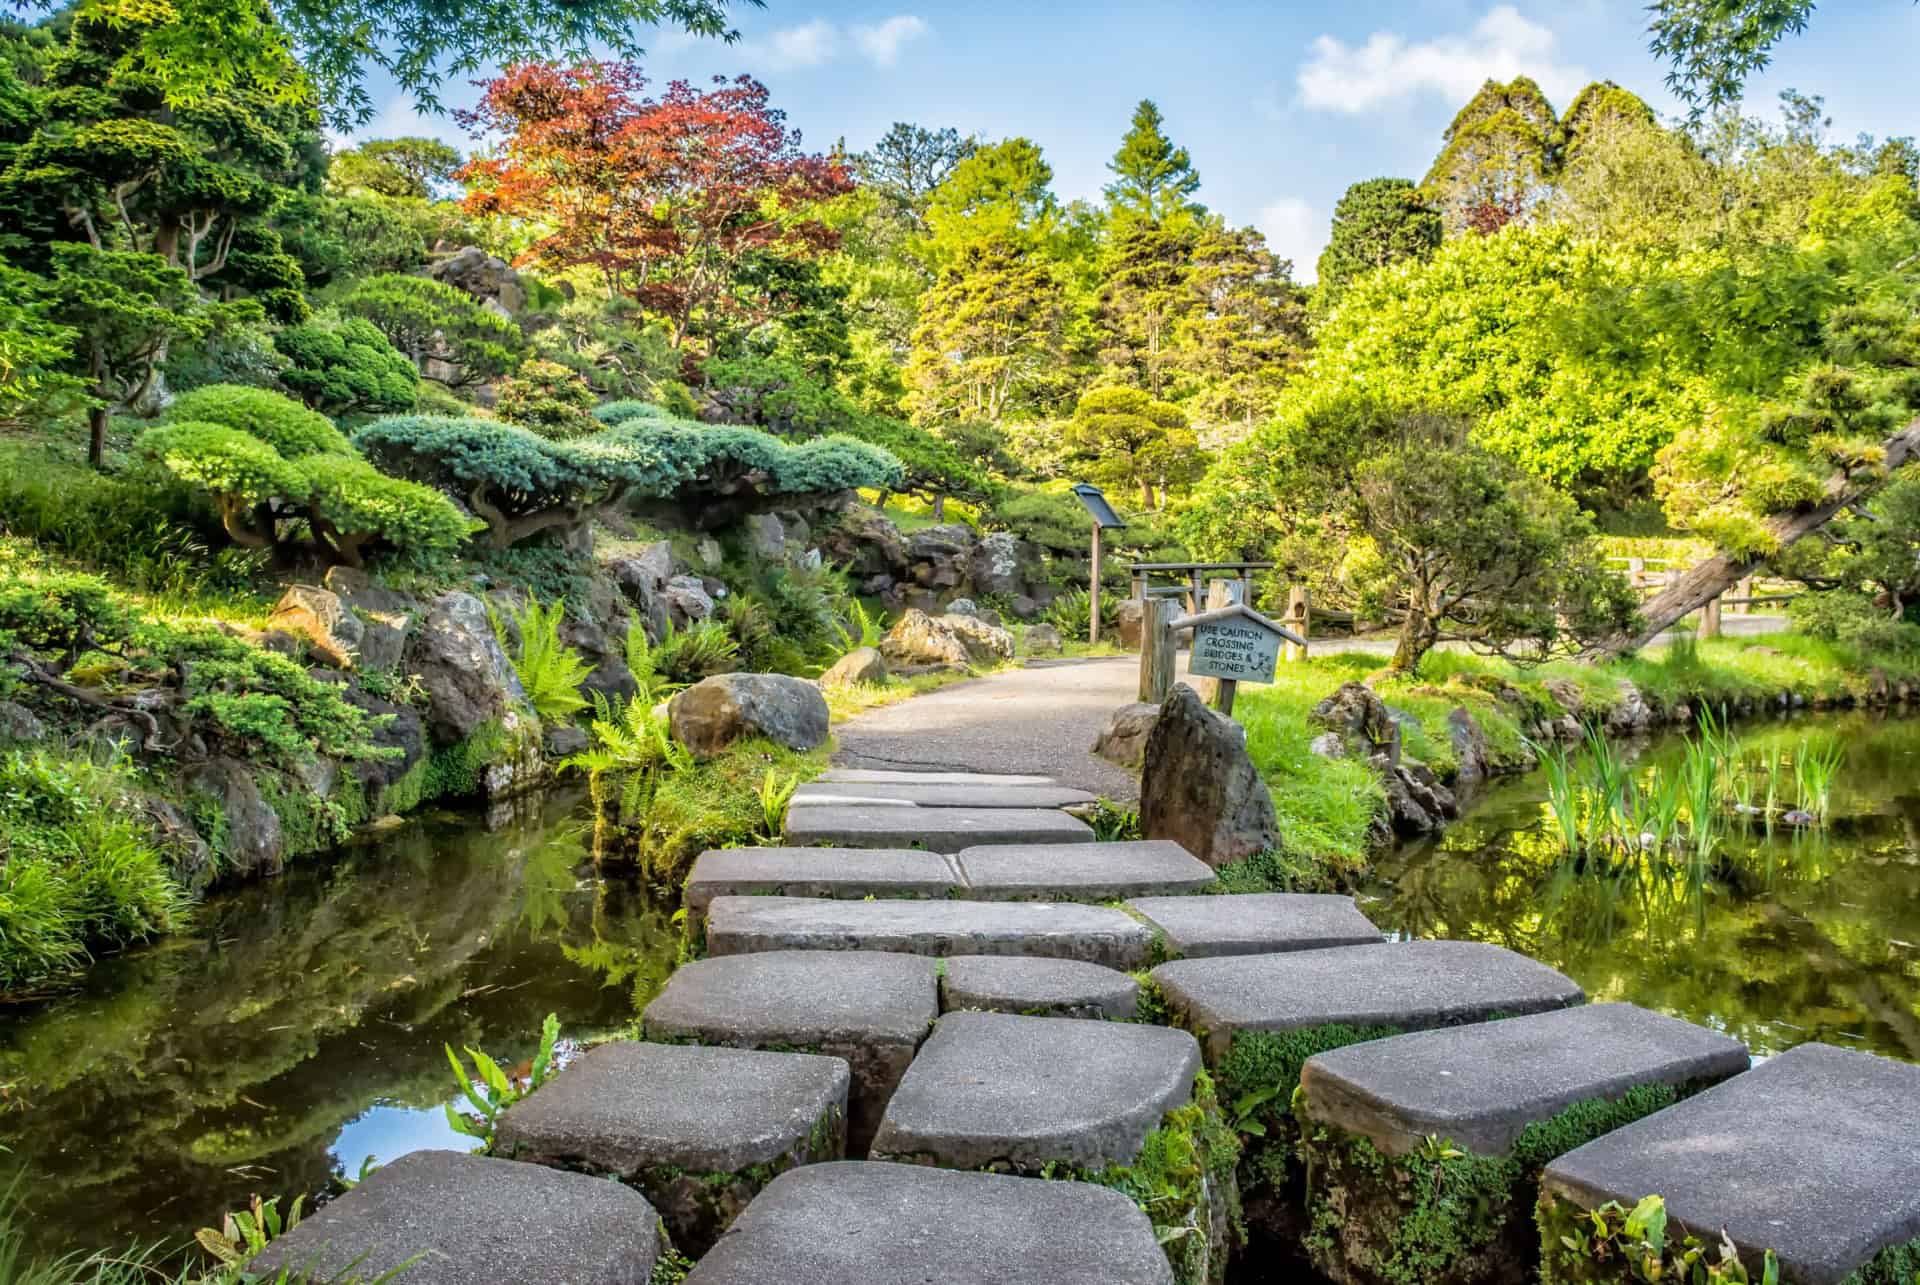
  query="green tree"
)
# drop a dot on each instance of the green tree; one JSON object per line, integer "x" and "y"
{"x": 908, "y": 163}
{"x": 1144, "y": 294}
{"x": 194, "y": 51}
{"x": 1246, "y": 336}
{"x": 990, "y": 338}
{"x": 36, "y": 383}
{"x": 1712, "y": 46}
{"x": 1500, "y": 151}
{"x": 1153, "y": 180}
{"x": 433, "y": 321}
{"x": 1002, "y": 193}
{"x": 1127, "y": 438}
{"x": 1377, "y": 222}
{"x": 345, "y": 366}
{"x": 125, "y": 309}
{"x": 399, "y": 167}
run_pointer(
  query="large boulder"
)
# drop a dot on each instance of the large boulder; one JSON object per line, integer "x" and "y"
{"x": 610, "y": 677}
{"x": 940, "y": 558}
{"x": 1199, "y": 787}
{"x": 322, "y": 617}
{"x": 861, "y": 665}
{"x": 1124, "y": 738}
{"x": 766, "y": 537}
{"x": 1002, "y": 565}
{"x": 252, "y": 843}
{"x": 1043, "y": 640}
{"x": 862, "y": 540}
{"x": 467, "y": 677}
{"x": 484, "y": 276}
{"x": 1472, "y": 754}
{"x": 20, "y": 725}
{"x": 686, "y": 600}
{"x": 1360, "y": 721}
{"x": 1631, "y": 716}
{"x": 919, "y": 639}
{"x": 715, "y": 712}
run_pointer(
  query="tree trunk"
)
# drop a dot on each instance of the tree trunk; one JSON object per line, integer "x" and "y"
{"x": 97, "y": 415}
{"x": 1712, "y": 578}
{"x": 1417, "y": 636}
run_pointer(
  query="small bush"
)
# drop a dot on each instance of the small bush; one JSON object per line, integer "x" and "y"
{"x": 346, "y": 366}
{"x": 284, "y": 425}
{"x": 1852, "y": 619}
{"x": 549, "y": 399}
{"x": 1072, "y": 613}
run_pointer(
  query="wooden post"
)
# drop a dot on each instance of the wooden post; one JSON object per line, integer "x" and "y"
{"x": 1093, "y": 591}
{"x": 1710, "y": 620}
{"x": 1196, "y": 593}
{"x": 1744, "y": 590}
{"x": 1157, "y": 650}
{"x": 1223, "y": 699}
{"x": 1139, "y": 586}
{"x": 1299, "y": 618}
{"x": 1637, "y": 573}
{"x": 939, "y": 508}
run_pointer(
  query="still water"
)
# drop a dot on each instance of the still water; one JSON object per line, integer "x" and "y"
{"x": 299, "y": 1030}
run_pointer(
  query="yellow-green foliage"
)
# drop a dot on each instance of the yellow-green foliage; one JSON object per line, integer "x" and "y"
{"x": 711, "y": 804}
{"x": 549, "y": 670}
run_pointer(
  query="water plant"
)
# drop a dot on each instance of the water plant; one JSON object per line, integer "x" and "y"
{"x": 243, "y": 1233}
{"x": 1816, "y": 765}
{"x": 493, "y": 1091}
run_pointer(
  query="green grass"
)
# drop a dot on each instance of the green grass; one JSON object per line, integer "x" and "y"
{"x": 1326, "y": 807}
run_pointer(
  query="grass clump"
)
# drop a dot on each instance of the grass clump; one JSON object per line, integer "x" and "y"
{"x": 80, "y": 869}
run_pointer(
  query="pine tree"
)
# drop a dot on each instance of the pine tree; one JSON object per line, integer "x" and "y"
{"x": 1154, "y": 178}
{"x": 1377, "y": 222}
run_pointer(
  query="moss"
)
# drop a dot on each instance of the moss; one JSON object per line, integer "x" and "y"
{"x": 711, "y": 804}
{"x": 1150, "y": 1005}
{"x": 454, "y": 771}
{"x": 309, "y": 823}
{"x": 1441, "y": 1214}
{"x": 1184, "y": 1180}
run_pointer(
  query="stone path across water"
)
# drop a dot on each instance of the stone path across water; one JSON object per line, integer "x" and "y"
{"x": 966, "y": 1008}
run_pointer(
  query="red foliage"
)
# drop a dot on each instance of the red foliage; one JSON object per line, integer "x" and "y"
{"x": 663, "y": 197}
{"x": 1488, "y": 216}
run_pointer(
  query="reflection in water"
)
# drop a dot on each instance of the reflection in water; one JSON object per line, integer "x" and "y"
{"x": 1786, "y": 937}
{"x": 299, "y": 1029}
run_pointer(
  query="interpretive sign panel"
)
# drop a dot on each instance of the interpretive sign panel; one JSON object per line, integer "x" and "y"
{"x": 1237, "y": 646}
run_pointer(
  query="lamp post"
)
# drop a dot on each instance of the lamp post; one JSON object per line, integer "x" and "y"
{"x": 1104, "y": 518}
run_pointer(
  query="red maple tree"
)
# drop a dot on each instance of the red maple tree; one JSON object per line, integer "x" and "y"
{"x": 666, "y": 198}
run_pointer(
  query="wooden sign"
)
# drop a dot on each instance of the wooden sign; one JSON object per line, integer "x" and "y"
{"x": 1235, "y": 644}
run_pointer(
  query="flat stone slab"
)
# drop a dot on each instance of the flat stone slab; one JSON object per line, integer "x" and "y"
{"x": 882, "y": 776}
{"x": 1412, "y": 985}
{"x": 1036, "y": 929}
{"x": 819, "y": 872}
{"x": 937, "y": 829}
{"x": 699, "y": 1130}
{"x": 1263, "y": 923}
{"x": 473, "y": 1220}
{"x": 1480, "y": 1086}
{"x": 939, "y": 794}
{"x": 1027, "y": 1092}
{"x": 1080, "y": 871}
{"x": 1037, "y": 987}
{"x": 1814, "y": 1154}
{"x": 870, "y": 1008}
{"x": 889, "y": 1224}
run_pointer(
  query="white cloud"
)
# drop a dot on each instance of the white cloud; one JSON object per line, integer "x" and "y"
{"x": 882, "y": 43}
{"x": 1294, "y": 230}
{"x": 807, "y": 45}
{"x": 816, "y": 43}
{"x": 1387, "y": 68}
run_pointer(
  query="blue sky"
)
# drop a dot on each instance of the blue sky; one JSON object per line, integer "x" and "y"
{"x": 1282, "y": 105}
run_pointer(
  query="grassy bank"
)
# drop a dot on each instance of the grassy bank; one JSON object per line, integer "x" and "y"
{"x": 1326, "y": 807}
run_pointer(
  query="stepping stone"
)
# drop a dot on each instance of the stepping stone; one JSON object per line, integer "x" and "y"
{"x": 699, "y": 1130}
{"x": 881, "y": 776}
{"x": 887, "y": 1224}
{"x": 472, "y": 1218}
{"x": 1477, "y": 1088}
{"x": 1039, "y": 930}
{"x": 1814, "y": 1154}
{"x": 939, "y": 829}
{"x": 850, "y": 873}
{"x": 1037, "y": 987}
{"x": 940, "y": 794}
{"x": 1264, "y": 923}
{"x": 869, "y": 1008}
{"x": 1409, "y": 985}
{"x": 1081, "y": 871}
{"x": 1027, "y": 1092}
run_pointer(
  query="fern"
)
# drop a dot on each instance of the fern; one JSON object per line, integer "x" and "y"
{"x": 549, "y": 670}
{"x": 643, "y": 658}
{"x": 632, "y": 742}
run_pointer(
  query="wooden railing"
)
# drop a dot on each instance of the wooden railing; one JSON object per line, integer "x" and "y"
{"x": 1648, "y": 578}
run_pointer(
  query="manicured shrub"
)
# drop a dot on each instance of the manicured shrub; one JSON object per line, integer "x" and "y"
{"x": 346, "y": 366}
{"x": 266, "y": 463}
{"x": 521, "y": 483}
{"x": 431, "y": 320}
{"x": 611, "y": 413}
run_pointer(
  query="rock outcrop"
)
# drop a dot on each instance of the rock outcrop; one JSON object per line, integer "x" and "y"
{"x": 1199, "y": 787}
{"x": 715, "y": 712}
{"x": 467, "y": 677}
{"x": 861, "y": 665}
{"x": 920, "y": 639}
{"x": 489, "y": 279}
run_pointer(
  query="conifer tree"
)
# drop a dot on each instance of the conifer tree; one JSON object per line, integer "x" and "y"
{"x": 1153, "y": 179}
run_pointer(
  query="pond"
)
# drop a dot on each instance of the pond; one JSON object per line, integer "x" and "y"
{"x": 1792, "y": 935}
{"x": 300, "y": 1028}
